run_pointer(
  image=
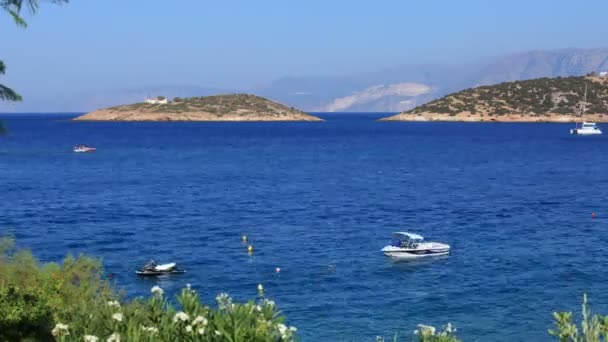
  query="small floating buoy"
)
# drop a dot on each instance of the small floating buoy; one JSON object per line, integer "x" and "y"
{"x": 260, "y": 289}
{"x": 277, "y": 270}
{"x": 592, "y": 215}
{"x": 250, "y": 249}
{"x": 244, "y": 238}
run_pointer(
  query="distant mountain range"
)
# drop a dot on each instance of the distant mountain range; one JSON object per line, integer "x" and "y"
{"x": 403, "y": 88}
{"x": 394, "y": 89}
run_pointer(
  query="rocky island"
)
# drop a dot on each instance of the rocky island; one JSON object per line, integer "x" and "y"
{"x": 538, "y": 100}
{"x": 232, "y": 107}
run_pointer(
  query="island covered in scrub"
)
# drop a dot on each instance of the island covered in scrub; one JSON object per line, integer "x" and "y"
{"x": 231, "y": 107}
{"x": 538, "y": 100}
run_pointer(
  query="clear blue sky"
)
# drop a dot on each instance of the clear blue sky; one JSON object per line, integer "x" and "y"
{"x": 90, "y": 45}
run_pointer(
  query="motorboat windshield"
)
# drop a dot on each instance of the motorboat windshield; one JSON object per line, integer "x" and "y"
{"x": 589, "y": 125}
{"x": 406, "y": 240}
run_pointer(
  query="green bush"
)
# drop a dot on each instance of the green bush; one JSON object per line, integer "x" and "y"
{"x": 594, "y": 328}
{"x": 33, "y": 297}
{"x": 156, "y": 319}
{"x": 73, "y": 302}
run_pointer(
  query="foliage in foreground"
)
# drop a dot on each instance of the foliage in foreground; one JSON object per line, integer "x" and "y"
{"x": 33, "y": 297}
{"x": 13, "y": 8}
{"x": 594, "y": 328}
{"x": 156, "y": 320}
{"x": 73, "y": 302}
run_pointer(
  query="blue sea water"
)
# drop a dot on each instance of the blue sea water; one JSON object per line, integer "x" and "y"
{"x": 320, "y": 200}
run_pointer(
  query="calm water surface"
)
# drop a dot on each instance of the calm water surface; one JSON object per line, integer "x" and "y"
{"x": 320, "y": 200}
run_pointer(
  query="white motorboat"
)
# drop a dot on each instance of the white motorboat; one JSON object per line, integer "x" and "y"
{"x": 154, "y": 269}
{"x": 586, "y": 128}
{"x": 412, "y": 246}
{"x": 82, "y": 148}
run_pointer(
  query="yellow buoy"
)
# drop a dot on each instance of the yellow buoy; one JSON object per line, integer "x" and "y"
{"x": 250, "y": 249}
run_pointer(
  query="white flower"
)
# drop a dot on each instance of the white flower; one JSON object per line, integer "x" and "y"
{"x": 189, "y": 328}
{"x": 181, "y": 316}
{"x": 218, "y": 333}
{"x": 425, "y": 330}
{"x": 115, "y": 337}
{"x": 222, "y": 297}
{"x": 284, "y": 331}
{"x": 258, "y": 308}
{"x": 282, "y": 328}
{"x": 60, "y": 330}
{"x": 200, "y": 319}
{"x": 114, "y": 303}
{"x": 157, "y": 291}
{"x": 293, "y": 329}
{"x": 91, "y": 338}
{"x": 201, "y": 331}
{"x": 151, "y": 330}
{"x": 267, "y": 302}
{"x": 117, "y": 316}
{"x": 224, "y": 301}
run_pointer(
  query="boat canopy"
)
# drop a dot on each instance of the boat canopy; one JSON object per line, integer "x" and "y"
{"x": 410, "y": 236}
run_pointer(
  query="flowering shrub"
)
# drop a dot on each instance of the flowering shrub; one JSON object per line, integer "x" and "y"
{"x": 74, "y": 302}
{"x": 155, "y": 319}
{"x": 427, "y": 333}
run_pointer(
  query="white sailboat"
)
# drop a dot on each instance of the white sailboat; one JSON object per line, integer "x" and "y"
{"x": 586, "y": 128}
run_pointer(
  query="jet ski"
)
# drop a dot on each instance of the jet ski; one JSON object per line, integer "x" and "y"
{"x": 154, "y": 269}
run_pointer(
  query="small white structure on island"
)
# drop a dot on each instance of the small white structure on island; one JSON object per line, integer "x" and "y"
{"x": 157, "y": 100}
{"x": 604, "y": 74}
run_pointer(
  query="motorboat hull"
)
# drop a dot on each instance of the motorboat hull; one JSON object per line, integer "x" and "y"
{"x": 150, "y": 273}
{"x": 85, "y": 150}
{"x": 576, "y": 131}
{"x": 415, "y": 254}
{"x": 427, "y": 250}
{"x": 153, "y": 269}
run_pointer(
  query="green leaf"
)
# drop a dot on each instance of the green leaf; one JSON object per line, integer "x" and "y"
{"x": 8, "y": 94}
{"x": 19, "y": 21}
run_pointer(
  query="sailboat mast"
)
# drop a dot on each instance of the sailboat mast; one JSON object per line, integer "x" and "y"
{"x": 584, "y": 102}
{"x": 582, "y": 109}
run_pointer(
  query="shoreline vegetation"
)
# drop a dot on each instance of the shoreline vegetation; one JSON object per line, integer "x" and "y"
{"x": 74, "y": 301}
{"x": 231, "y": 107}
{"x": 538, "y": 100}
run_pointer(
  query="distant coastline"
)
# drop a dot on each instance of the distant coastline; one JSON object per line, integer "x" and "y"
{"x": 557, "y": 99}
{"x": 231, "y": 107}
{"x": 468, "y": 117}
